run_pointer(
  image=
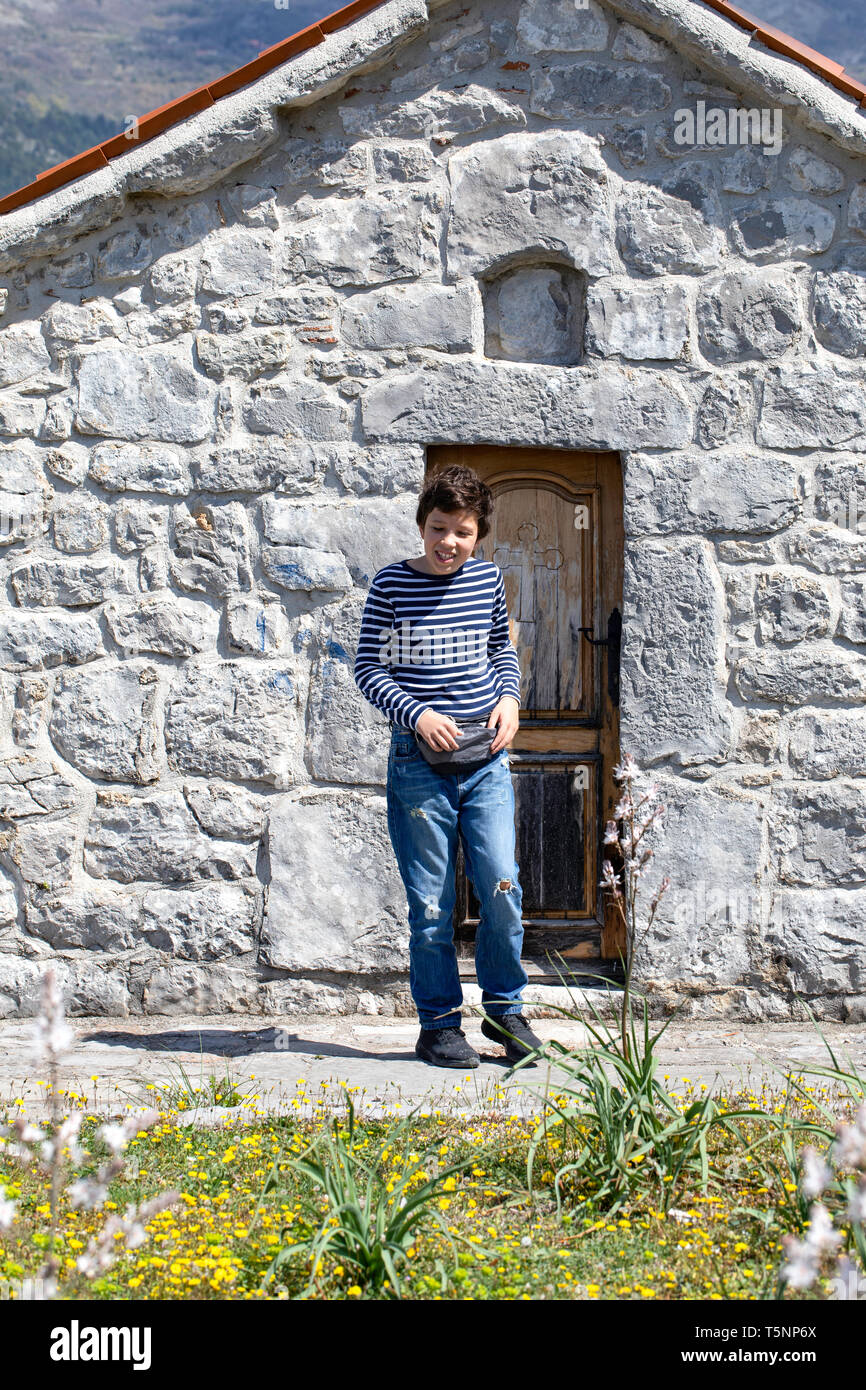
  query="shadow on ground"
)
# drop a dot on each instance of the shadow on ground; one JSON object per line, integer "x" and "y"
{"x": 220, "y": 1042}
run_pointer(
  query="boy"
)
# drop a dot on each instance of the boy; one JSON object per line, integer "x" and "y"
{"x": 434, "y": 652}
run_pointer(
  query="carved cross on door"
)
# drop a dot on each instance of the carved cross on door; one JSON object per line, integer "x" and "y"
{"x": 524, "y": 558}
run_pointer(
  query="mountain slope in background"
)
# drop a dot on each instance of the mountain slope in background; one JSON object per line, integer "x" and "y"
{"x": 72, "y": 72}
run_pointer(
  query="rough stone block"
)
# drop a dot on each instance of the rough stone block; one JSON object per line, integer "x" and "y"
{"x": 749, "y": 314}
{"x": 817, "y": 941}
{"x": 709, "y": 845}
{"x": 70, "y": 583}
{"x": 673, "y": 701}
{"x": 781, "y": 228}
{"x": 801, "y": 676}
{"x": 596, "y": 89}
{"x": 365, "y": 534}
{"x": 659, "y": 234}
{"x": 23, "y": 353}
{"x": 211, "y": 552}
{"x": 34, "y": 641}
{"x": 546, "y": 191}
{"x": 444, "y": 317}
{"x": 637, "y": 323}
{"x": 435, "y": 115}
{"x": 791, "y": 607}
{"x": 332, "y": 849}
{"x": 209, "y": 923}
{"x": 839, "y": 312}
{"x": 828, "y": 743}
{"x": 237, "y": 721}
{"x": 139, "y": 468}
{"x": 811, "y": 407}
{"x": 724, "y": 490}
{"x": 819, "y": 834}
{"x": 104, "y": 721}
{"x": 386, "y": 235}
{"x": 562, "y": 26}
{"x": 155, "y": 837}
{"x": 143, "y": 395}
{"x": 80, "y": 524}
{"x": 256, "y": 625}
{"x": 607, "y": 407}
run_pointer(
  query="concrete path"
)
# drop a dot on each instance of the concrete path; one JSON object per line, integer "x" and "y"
{"x": 269, "y": 1057}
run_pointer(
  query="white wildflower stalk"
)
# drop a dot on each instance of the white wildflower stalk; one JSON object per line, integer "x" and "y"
{"x": 26, "y": 1134}
{"x": 31, "y": 1143}
{"x": 635, "y": 827}
{"x": 848, "y": 1151}
{"x": 7, "y": 1210}
{"x": 92, "y": 1192}
{"x": 816, "y": 1175}
{"x": 857, "y": 1203}
{"x": 848, "y": 1279}
{"x": 849, "y": 1148}
{"x": 804, "y": 1255}
{"x": 53, "y": 1038}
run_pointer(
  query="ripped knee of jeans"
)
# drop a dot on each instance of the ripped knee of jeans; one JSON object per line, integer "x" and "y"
{"x": 504, "y": 885}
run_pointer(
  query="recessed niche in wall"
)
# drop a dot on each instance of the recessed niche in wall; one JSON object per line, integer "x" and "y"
{"x": 533, "y": 312}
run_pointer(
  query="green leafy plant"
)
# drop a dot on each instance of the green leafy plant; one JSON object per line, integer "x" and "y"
{"x": 633, "y": 1138}
{"x": 372, "y": 1221}
{"x": 211, "y": 1090}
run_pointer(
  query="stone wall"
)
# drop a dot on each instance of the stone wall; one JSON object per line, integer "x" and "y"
{"x": 213, "y": 418}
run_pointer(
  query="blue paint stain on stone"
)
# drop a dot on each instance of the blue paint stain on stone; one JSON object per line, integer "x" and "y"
{"x": 291, "y": 571}
{"x": 334, "y": 649}
{"x": 281, "y": 680}
{"x": 260, "y": 624}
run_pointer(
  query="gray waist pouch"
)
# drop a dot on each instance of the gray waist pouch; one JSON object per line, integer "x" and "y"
{"x": 473, "y": 748}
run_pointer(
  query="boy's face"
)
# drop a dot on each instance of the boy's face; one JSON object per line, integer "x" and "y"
{"x": 449, "y": 539}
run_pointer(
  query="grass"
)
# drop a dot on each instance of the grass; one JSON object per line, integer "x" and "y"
{"x": 497, "y": 1240}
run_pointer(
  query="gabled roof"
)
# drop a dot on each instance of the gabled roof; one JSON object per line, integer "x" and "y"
{"x": 191, "y": 103}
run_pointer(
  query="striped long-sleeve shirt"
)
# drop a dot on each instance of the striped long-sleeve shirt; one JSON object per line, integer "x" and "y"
{"x": 436, "y": 642}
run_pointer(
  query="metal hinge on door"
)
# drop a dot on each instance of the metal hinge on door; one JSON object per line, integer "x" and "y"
{"x": 613, "y": 642}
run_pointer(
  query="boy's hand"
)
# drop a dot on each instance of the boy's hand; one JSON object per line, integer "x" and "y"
{"x": 507, "y": 715}
{"x": 439, "y": 730}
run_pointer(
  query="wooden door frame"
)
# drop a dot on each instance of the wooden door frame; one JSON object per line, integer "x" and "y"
{"x": 602, "y": 471}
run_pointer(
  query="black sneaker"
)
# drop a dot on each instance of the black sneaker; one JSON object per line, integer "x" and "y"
{"x": 445, "y": 1047}
{"x": 521, "y": 1040}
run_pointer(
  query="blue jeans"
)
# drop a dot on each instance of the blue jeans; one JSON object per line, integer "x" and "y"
{"x": 427, "y": 811}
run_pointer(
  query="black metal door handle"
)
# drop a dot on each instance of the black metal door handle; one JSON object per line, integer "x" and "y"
{"x": 613, "y": 642}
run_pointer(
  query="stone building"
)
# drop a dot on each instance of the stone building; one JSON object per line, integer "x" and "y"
{"x": 611, "y": 254}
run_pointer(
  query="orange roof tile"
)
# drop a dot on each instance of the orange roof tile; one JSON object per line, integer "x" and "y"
{"x": 173, "y": 112}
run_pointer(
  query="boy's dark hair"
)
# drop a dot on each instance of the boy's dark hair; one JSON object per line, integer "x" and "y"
{"x": 456, "y": 489}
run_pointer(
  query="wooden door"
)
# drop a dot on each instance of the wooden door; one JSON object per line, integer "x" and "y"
{"x": 557, "y": 536}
